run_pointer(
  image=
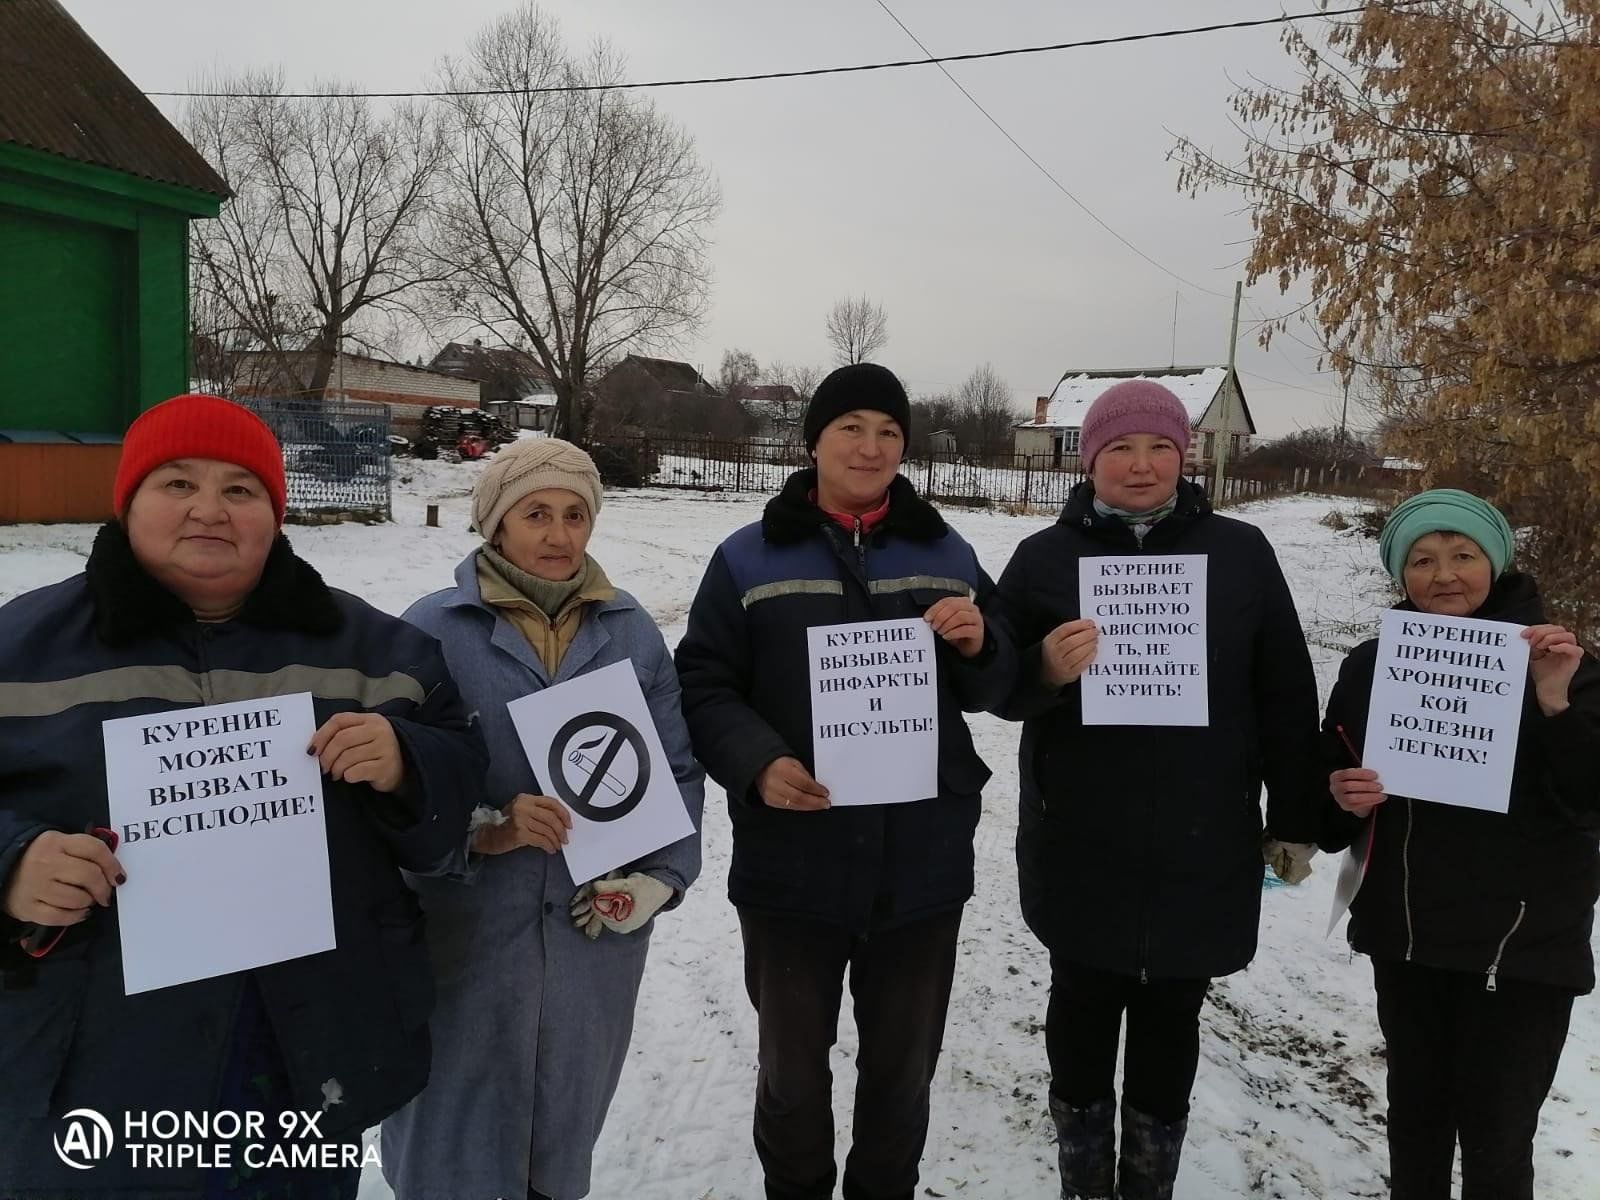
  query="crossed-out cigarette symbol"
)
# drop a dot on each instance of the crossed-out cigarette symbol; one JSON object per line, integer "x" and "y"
{"x": 594, "y": 758}
{"x": 594, "y": 768}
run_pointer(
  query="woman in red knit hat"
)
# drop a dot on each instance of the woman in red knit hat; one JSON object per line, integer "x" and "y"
{"x": 192, "y": 596}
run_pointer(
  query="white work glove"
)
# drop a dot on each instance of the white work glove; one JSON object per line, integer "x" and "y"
{"x": 1290, "y": 861}
{"x": 620, "y": 903}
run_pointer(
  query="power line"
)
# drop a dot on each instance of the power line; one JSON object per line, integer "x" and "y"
{"x": 1040, "y": 167}
{"x": 813, "y": 72}
{"x": 1293, "y": 387}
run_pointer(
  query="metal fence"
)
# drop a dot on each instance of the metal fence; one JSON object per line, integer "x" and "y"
{"x": 1014, "y": 480}
{"x": 335, "y": 454}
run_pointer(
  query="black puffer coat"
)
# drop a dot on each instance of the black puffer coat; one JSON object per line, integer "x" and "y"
{"x": 1498, "y": 894}
{"x": 1139, "y": 847}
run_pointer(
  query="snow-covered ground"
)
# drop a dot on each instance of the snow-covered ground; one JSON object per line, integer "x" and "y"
{"x": 1289, "y": 1099}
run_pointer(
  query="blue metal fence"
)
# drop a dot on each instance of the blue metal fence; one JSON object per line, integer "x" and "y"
{"x": 335, "y": 454}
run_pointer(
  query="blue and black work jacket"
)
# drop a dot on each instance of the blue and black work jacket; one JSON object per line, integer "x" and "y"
{"x": 344, "y": 1032}
{"x": 744, "y": 667}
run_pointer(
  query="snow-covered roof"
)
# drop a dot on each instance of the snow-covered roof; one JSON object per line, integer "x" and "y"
{"x": 1195, "y": 387}
{"x": 1401, "y": 464}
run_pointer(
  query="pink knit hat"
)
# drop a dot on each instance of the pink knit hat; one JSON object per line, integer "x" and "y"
{"x": 1132, "y": 406}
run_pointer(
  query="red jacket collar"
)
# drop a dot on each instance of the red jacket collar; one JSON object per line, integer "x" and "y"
{"x": 869, "y": 520}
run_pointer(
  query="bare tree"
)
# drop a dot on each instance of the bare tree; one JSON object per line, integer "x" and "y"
{"x": 930, "y": 414}
{"x": 739, "y": 368}
{"x": 857, "y": 329}
{"x": 986, "y": 410}
{"x": 801, "y": 381}
{"x": 576, "y": 220}
{"x": 322, "y": 241}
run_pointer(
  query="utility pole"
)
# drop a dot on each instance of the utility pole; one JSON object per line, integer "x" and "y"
{"x": 1227, "y": 394}
{"x": 1344, "y": 413}
{"x": 1174, "y": 361}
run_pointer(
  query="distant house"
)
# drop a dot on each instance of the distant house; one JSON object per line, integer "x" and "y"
{"x": 408, "y": 391}
{"x": 778, "y": 410}
{"x": 512, "y": 383}
{"x": 660, "y": 395}
{"x": 97, "y": 190}
{"x": 1057, "y": 421}
{"x": 942, "y": 441}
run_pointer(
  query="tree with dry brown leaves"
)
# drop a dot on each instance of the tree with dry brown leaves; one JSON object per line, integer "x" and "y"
{"x": 1436, "y": 179}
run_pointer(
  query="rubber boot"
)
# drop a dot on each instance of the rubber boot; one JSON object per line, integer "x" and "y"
{"x": 1086, "y": 1148}
{"x": 1151, "y": 1151}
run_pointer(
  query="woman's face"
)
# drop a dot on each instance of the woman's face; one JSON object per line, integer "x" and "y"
{"x": 857, "y": 457}
{"x": 202, "y": 529}
{"x": 546, "y": 534}
{"x": 1448, "y": 574}
{"x": 1138, "y": 472}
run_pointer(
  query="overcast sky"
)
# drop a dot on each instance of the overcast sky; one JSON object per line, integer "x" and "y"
{"x": 891, "y": 183}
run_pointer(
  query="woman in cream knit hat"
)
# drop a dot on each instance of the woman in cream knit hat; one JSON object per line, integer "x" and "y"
{"x": 537, "y": 982}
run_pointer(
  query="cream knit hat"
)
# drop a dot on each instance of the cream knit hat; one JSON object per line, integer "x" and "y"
{"x": 526, "y": 466}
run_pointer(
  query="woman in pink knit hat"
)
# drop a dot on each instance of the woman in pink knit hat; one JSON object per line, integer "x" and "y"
{"x": 1146, "y": 884}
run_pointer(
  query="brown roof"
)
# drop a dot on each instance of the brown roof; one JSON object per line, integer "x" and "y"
{"x": 61, "y": 94}
{"x": 478, "y": 362}
{"x": 669, "y": 373}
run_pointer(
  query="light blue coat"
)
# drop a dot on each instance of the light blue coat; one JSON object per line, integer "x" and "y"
{"x": 533, "y": 1019}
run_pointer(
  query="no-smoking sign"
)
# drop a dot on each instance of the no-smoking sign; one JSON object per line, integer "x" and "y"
{"x": 593, "y": 745}
{"x": 599, "y": 766}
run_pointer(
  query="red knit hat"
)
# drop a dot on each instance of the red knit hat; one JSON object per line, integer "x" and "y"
{"x": 1133, "y": 406}
{"x": 199, "y": 426}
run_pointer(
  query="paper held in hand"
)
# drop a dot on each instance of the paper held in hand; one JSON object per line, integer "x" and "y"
{"x": 592, "y": 742}
{"x": 1446, "y": 709}
{"x": 1352, "y": 873}
{"x": 875, "y": 711}
{"x": 1151, "y": 667}
{"x": 223, "y": 837}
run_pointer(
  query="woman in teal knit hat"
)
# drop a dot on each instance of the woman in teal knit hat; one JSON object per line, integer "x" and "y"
{"x": 1478, "y": 923}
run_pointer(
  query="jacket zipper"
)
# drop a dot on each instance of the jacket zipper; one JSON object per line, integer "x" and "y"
{"x": 1405, "y": 877}
{"x": 1494, "y": 967}
{"x": 1144, "y": 907}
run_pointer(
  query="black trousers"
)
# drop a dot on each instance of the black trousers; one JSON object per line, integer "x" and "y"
{"x": 1084, "y": 1025}
{"x": 1466, "y": 1064}
{"x": 900, "y": 984}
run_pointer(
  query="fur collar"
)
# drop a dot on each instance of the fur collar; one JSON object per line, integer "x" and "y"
{"x": 792, "y": 516}
{"x": 128, "y": 603}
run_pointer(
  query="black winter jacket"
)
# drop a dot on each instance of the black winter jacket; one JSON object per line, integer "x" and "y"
{"x": 1498, "y": 894}
{"x": 112, "y": 643}
{"x": 744, "y": 668}
{"x": 1139, "y": 848}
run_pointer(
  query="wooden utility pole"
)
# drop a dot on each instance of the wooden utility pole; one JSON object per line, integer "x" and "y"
{"x": 1227, "y": 396}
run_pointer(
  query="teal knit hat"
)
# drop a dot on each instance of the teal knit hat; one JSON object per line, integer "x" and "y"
{"x": 1445, "y": 510}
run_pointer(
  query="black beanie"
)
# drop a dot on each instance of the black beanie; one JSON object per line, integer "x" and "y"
{"x": 860, "y": 385}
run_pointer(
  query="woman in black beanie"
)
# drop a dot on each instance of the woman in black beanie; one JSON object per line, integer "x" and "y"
{"x": 875, "y": 887}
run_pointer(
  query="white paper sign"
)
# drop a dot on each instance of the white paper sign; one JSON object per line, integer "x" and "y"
{"x": 875, "y": 711}
{"x": 1150, "y": 668}
{"x": 593, "y": 746}
{"x": 1446, "y": 709}
{"x": 223, "y": 837}
{"x": 1352, "y": 873}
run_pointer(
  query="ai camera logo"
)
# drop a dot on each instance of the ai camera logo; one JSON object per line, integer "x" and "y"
{"x": 86, "y": 1141}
